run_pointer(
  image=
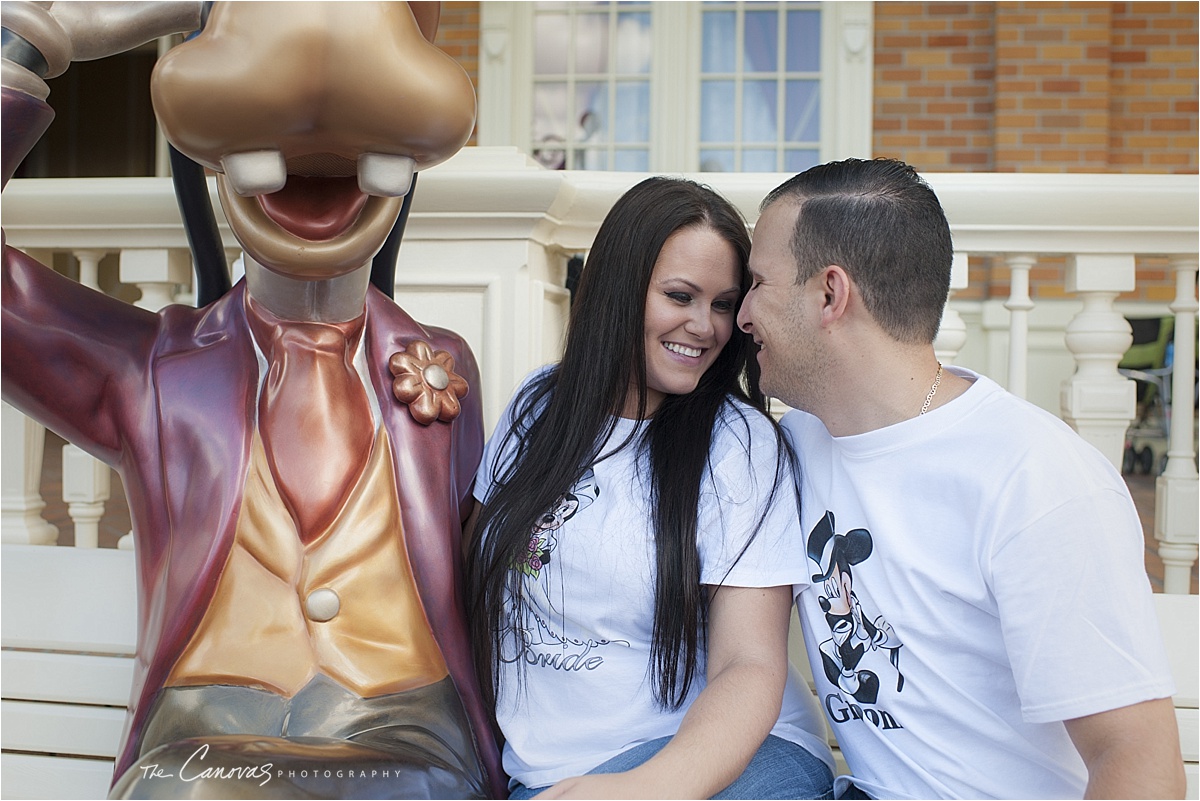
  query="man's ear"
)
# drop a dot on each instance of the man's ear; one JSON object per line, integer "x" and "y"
{"x": 836, "y": 289}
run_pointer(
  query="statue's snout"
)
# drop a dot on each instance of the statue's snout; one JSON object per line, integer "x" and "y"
{"x": 314, "y": 89}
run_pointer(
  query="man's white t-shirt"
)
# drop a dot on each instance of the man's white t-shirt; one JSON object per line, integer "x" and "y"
{"x": 586, "y": 693}
{"x": 975, "y": 577}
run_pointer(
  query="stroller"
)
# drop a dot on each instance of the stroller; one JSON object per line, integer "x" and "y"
{"x": 1148, "y": 362}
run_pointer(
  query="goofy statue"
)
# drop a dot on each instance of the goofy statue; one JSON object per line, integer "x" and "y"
{"x": 297, "y": 452}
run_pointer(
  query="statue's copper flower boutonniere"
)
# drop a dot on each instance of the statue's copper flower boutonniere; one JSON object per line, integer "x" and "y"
{"x": 425, "y": 380}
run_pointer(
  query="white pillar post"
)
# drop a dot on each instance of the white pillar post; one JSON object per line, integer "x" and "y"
{"x": 89, "y": 267}
{"x": 86, "y": 485}
{"x": 155, "y": 271}
{"x": 1097, "y": 401}
{"x": 952, "y": 334}
{"x": 1019, "y": 305}
{"x": 1177, "y": 493}
{"x": 21, "y": 501}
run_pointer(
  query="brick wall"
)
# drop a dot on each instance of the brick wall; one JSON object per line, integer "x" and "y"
{"x": 934, "y": 84}
{"x": 458, "y": 36}
{"x": 1153, "y": 94}
{"x": 1039, "y": 87}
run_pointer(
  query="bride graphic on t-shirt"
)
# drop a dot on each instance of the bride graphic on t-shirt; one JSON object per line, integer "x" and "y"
{"x": 534, "y": 564}
{"x": 543, "y": 538}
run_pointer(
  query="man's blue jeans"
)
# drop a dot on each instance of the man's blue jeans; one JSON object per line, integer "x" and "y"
{"x": 780, "y": 769}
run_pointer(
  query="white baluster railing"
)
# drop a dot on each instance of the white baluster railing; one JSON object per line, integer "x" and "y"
{"x": 85, "y": 487}
{"x": 952, "y": 334}
{"x": 1098, "y": 401}
{"x": 21, "y": 503}
{"x": 1177, "y": 495}
{"x": 1019, "y": 304}
{"x": 487, "y": 232}
{"x": 157, "y": 272}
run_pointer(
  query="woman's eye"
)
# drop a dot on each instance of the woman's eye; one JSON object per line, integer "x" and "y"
{"x": 724, "y": 305}
{"x": 680, "y": 297}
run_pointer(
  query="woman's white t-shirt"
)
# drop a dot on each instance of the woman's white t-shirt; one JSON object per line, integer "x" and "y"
{"x": 576, "y": 688}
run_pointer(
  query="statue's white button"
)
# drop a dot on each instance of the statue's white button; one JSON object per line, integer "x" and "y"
{"x": 435, "y": 376}
{"x": 322, "y": 605}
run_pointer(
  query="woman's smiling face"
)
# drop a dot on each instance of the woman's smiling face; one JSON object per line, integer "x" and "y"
{"x": 690, "y": 308}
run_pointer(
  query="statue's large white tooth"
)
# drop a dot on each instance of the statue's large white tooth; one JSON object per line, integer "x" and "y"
{"x": 385, "y": 175}
{"x": 255, "y": 172}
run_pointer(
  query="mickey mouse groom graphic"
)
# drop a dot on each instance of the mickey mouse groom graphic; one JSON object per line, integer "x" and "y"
{"x": 854, "y": 637}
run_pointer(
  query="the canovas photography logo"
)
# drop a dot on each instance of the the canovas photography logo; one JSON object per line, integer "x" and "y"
{"x": 194, "y": 769}
{"x": 201, "y": 766}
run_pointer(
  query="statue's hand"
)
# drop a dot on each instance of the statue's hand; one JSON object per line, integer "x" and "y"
{"x": 60, "y": 33}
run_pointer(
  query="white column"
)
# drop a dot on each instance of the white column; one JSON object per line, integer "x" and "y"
{"x": 1019, "y": 305}
{"x": 89, "y": 267}
{"x": 1097, "y": 401}
{"x": 952, "y": 334}
{"x": 1177, "y": 494}
{"x": 157, "y": 272}
{"x": 85, "y": 485}
{"x": 21, "y": 501}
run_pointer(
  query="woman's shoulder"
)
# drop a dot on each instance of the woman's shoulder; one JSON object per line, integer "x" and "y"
{"x": 741, "y": 429}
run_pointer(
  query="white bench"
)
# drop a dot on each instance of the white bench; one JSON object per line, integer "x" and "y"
{"x": 67, "y": 640}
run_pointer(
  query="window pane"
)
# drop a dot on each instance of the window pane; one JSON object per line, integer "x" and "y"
{"x": 803, "y": 111}
{"x": 632, "y": 115}
{"x": 800, "y": 160}
{"x": 716, "y": 161}
{"x": 632, "y": 161}
{"x": 761, "y": 42}
{"x": 550, "y": 33}
{"x": 549, "y": 111}
{"x": 716, "y": 111}
{"x": 550, "y": 124}
{"x": 719, "y": 41}
{"x": 633, "y": 44}
{"x": 804, "y": 41}
{"x": 591, "y": 104}
{"x": 758, "y": 160}
{"x": 591, "y": 43}
{"x": 590, "y": 159}
{"x": 759, "y": 117}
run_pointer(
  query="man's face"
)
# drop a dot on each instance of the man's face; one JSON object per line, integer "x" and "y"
{"x": 779, "y": 314}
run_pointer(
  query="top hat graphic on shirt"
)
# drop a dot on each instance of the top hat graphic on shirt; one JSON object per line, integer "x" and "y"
{"x": 829, "y": 549}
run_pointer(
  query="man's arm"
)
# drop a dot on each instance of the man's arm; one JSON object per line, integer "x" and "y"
{"x": 1131, "y": 752}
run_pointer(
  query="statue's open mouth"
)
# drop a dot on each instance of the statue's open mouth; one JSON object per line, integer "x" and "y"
{"x": 316, "y": 209}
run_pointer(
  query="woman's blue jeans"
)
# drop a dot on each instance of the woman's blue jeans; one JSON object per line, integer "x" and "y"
{"x": 779, "y": 769}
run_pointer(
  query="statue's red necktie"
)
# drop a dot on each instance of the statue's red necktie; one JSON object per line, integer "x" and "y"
{"x": 313, "y": 416}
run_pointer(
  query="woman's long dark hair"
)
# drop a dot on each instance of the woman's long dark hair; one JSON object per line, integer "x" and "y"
{"x": 562, "y": 420}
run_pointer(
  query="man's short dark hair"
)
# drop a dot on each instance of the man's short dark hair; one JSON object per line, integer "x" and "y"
{"x": 880, "y": 222}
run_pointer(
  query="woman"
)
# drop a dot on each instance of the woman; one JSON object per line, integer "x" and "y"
{"x": 630, "y": 590}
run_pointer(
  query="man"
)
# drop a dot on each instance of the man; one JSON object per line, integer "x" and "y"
{"x": 979, "y": 621}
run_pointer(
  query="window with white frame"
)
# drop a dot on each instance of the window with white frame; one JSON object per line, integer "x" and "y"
{"x": 677, "y": 86}
{"x": 591, "y": 85}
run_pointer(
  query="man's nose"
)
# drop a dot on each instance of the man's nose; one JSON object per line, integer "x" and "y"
{"x": 743, "y": 317}
{"x": 301, "y": 79}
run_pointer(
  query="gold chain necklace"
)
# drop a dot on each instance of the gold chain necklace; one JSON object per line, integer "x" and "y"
{"x": 937, "y": 379}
